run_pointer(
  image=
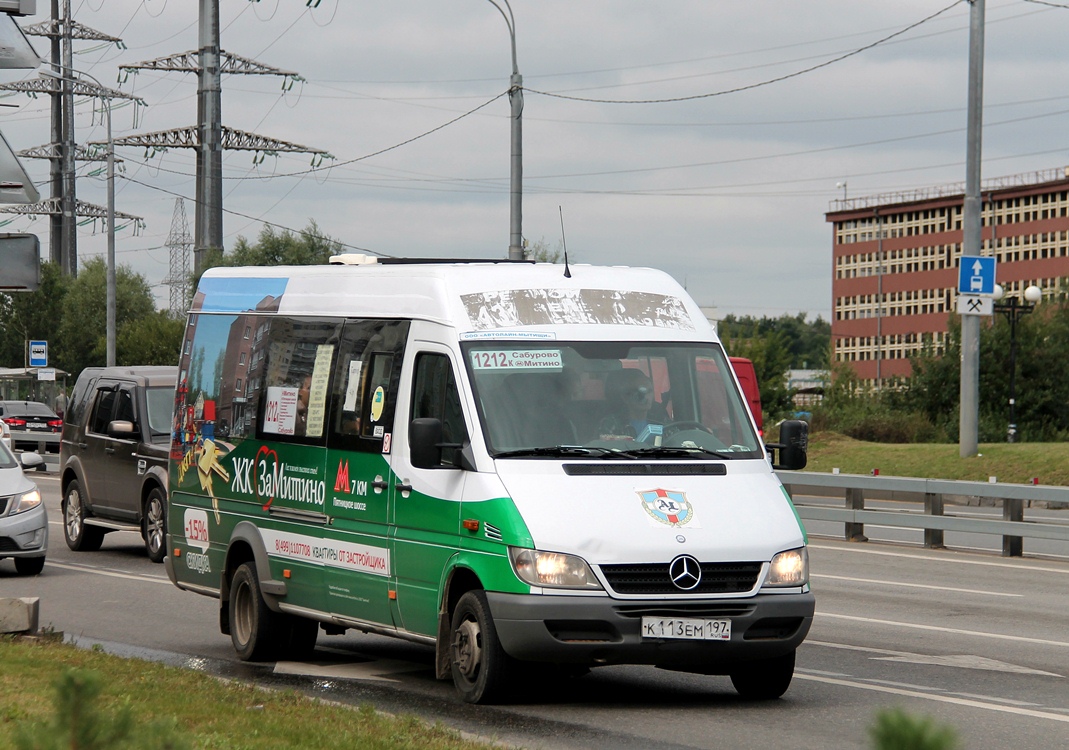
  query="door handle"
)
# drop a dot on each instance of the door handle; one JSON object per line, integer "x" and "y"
{"x": 402, "y": 487}
{"x": 380, "y": 484}
{"x": 109, "y": 450}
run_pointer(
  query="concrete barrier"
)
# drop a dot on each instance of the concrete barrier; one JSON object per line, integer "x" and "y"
{"x": 19, "y": 615}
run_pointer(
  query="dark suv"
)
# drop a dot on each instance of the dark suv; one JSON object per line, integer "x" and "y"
{"x": 113, "y": 456}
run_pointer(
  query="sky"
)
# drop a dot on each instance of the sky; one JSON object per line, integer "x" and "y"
{"x": 707, "y": 139}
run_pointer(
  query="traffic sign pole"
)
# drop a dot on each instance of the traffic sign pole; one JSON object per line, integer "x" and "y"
{"x": 969, "y": 405}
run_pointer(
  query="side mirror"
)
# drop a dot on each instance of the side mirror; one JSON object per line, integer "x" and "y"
{"x": 31, "y": 460}
{"x": 427, "y": 450}
{"x": 424, "y": 442}
{"x": 792, "y": 447}
{"x": 121, "y": 428}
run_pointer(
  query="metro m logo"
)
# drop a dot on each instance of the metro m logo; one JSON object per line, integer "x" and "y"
{"x": 341, "y": 484}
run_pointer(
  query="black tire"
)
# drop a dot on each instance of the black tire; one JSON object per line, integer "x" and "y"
{"x": 481, "y": 668}
{"x": 258, "y": 633}
{"x": 154, "y": 525}
{"x": 80, "y": 538}
{"x": 764, "y": 680}
{"x": 29, "y": 566}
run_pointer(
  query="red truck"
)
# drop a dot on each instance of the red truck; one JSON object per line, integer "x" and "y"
{"x": 744, "y": 371}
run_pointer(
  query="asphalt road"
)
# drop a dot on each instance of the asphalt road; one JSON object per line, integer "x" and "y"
{"x": 972, "y": 639}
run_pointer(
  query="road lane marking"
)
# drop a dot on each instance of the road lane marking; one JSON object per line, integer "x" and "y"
{"x": 961, "y": 661}
{"x": 942, "y": 559}
{"x": 955, "y": 631}
{"x": 110, "y": 573}
{"x": 956, "y": 700}
{"x": 911, "y": 585}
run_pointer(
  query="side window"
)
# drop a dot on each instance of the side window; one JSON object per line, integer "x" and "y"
{"x": 366, "y": 380}
{"x": 296, "y": 380}
{"x": 435, "y": 394}
{"x": 102, "y": 410}
{"x": 124, "y": 406}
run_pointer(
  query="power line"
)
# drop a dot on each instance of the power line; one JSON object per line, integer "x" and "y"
{"x": 751, "y": 86}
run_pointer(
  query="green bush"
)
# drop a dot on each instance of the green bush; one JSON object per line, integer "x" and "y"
{"x": 896, "y": 730}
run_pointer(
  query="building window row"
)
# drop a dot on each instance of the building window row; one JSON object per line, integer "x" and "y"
{"x": 911, "y": 223}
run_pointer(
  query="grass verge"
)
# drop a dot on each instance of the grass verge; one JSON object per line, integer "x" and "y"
{"x": 209, "y": 712}
{"x": 1009, "y": 462}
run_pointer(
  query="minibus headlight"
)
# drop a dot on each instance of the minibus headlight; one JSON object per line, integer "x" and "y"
{"x": 552, "y": 569}
{"x": 26, "y": 501}
{"x": 790, "y": 568}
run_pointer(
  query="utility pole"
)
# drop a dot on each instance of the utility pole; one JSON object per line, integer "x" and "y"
{"x": 208, "y": 223}
{"x": 969, "y": 407}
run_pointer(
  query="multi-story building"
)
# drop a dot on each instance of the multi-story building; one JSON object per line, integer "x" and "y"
{"x": 895, "y": 263}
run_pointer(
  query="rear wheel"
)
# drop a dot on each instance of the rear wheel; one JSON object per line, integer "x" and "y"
{"x": 766, "y": 679}
{"x": 481, "y": 668}
{"x": 154, "y": 525}
{"x": 80, "y": 538}
{"x": 257, "y": 632}
{"x": 29, "y": 566}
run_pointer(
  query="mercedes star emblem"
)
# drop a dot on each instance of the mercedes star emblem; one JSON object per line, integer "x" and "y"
{"x": 685, "y": 572}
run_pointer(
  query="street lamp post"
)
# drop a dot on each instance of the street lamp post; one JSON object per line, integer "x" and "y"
{"x": 1014, "y": 309}
{"x": 516, "y": 179}
{"x": 109, "y": 216}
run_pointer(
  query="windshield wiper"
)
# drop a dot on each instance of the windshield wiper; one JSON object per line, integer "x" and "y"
{"x": 666, "y": 452}
{"x": 559, "y": 451}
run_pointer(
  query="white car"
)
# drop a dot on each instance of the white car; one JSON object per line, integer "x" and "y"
{"x": 23, "y": 520}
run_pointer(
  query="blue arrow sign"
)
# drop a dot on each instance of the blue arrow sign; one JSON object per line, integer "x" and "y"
{"x": 976, "y": 275}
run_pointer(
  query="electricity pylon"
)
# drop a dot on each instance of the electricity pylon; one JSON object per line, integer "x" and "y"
{"x": 209, "y": 137}
{"x": 179, "y": 243}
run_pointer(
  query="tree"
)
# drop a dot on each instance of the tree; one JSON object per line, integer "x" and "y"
{"x": 540, "y": 251}
{"x": 807, "y": 342}
{"x": 31, "y": 316}
{"x": 155, "y": 339}
{"x": 81, "y": 338}
{"x": 279, "y": 248}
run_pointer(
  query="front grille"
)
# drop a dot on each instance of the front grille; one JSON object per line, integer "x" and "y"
{"x": 7, "y": 544}
{"x": 3, "y": 504}
{"x": 653, "y": 578}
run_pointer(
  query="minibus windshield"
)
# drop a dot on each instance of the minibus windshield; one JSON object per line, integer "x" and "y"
{"x": 612, "y": 399}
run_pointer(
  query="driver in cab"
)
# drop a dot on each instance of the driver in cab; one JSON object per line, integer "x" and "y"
{"x": 629, "y": 393}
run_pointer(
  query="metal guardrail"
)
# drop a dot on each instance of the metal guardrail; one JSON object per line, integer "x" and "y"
{"x": 43, "y": 439}
{"x": 934, "y": 494}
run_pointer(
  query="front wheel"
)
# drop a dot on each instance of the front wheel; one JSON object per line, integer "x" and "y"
{"x": 154, "y": 525}
{"x": 29, "y": 566}
{"x": 481, "y": 668}
{"x": 766, "y": 679}
{"x": 80, "y": 538}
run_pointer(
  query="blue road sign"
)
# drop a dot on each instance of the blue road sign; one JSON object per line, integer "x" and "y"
{"x": 38, "y": 354}
{"x": 976, "y": 275}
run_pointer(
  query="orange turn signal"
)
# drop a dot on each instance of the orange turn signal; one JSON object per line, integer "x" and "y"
{"x": 470, "y": 524}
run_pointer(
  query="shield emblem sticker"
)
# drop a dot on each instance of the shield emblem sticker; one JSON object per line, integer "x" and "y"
{"x": 668, "y": 507}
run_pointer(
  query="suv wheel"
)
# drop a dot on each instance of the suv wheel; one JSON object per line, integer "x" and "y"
{"x": 154, "y": 525}
{"x": 80, "y": 538}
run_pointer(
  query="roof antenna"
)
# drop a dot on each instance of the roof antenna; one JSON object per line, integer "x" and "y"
{"x": 564, "y": 242}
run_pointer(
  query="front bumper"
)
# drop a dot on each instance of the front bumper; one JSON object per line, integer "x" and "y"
{"x": 601, "y": 630}
{"x": 24, "y": 534}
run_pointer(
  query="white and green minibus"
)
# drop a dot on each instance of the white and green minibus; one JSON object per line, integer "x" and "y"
{"x": 525, "y": 466}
